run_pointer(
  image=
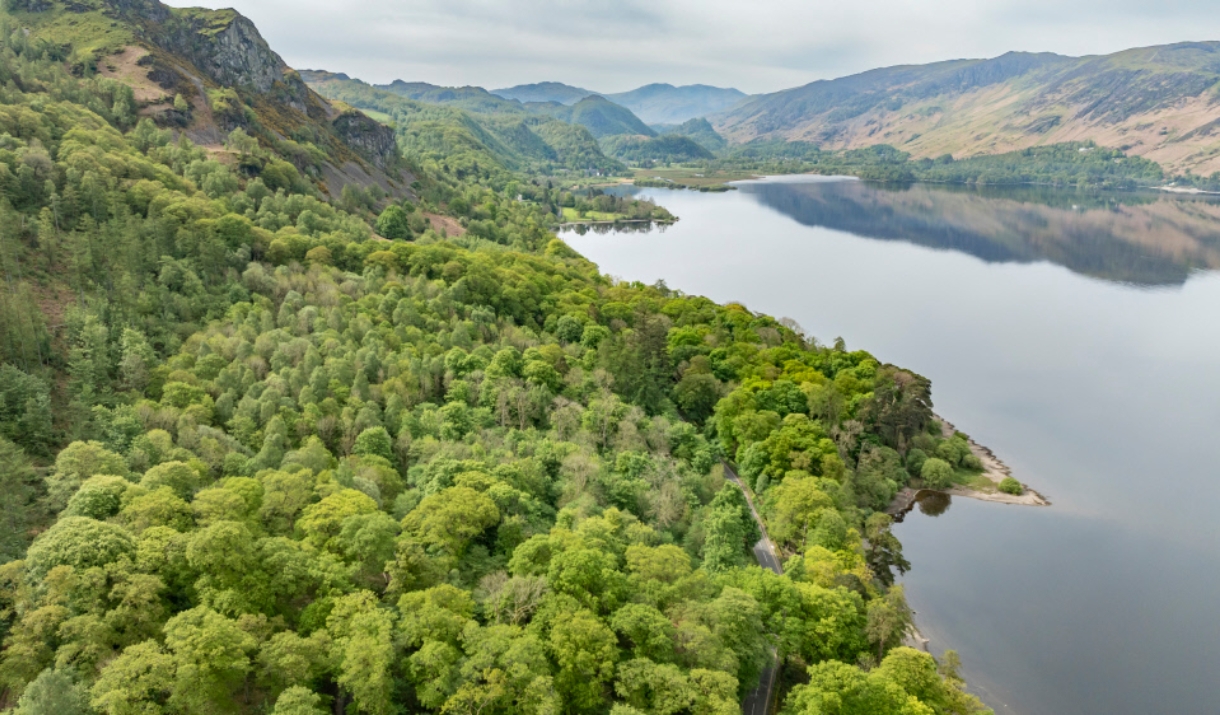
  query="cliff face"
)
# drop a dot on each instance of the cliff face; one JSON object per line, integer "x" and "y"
{"x": 374, "y": 141}
{"x": 228, "y": 49}
{"x": 235, "y": 56}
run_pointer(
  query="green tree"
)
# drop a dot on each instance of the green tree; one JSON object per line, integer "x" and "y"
{"x": 138, "y": 682}
{"x": 298, "y": 701}
{"x": 883, "y": 551}
{"x": 889, "y": 619}
{"x": 375, "y": 441}
{"x": 730, "y": 530}
{"x": 696, "y": 394}
{"x": 18, "y": 512}
{"x": 363, "y": 650}
{"x": 585, "y": 651}
{"x": 393, "y": 224}
{"x": 53, "y": 693}
{"x": 936, "y": 473}
{"x": 78, "y": 542}
{"x": 211, "y": 658}
{"x": 76, "y": 463}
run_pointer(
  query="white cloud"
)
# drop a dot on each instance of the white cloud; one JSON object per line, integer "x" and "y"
{"x": 757, "y": 46}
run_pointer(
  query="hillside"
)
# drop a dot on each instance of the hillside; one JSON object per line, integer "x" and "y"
{"x": 667, "y": 104}
{"x": 666, "y": 148}
{"x": 469, "y": 130}
{"x": 1160, "y": 103}
{"x": 601, "y": 117}
{"x": 208, "y": 73}
{"x": 701, "y": 132}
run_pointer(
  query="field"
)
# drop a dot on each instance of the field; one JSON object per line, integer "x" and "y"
{"x": 691, "y": 177}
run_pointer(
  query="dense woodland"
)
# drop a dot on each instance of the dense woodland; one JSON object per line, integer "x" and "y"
{"x": 1081, "y": 165}
{"x": 265, "y": 450}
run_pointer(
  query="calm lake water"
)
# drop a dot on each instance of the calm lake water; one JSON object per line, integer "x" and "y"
{"x": 1076, "y": 335}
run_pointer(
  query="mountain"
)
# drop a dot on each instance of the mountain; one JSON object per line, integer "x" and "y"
{"x": 602, "y": 117}
{"x": 1162, "y": 103}
{"x": 667, "y": 104}
{"x": 544, "y": 92}
{"x": 653, "y": 103}
{"x": 701, "y": 132}
{"x": 474, "y": 99}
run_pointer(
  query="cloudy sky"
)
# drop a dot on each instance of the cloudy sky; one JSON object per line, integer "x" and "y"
{"x": 756, "y": 46}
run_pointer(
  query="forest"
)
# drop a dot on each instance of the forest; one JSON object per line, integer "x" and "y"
{"x": 1080, "y": 165}
{"x": 268, "y": 450}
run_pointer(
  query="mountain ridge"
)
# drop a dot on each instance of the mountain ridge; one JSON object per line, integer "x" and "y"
{"x": 1160, "y": 102}
{"x": 656, "y": 103}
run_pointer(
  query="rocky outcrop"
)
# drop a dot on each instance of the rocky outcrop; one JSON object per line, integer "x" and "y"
{"x": 373, "y": 141}
{"x": 235, "y": 56}
{"x": 228, "y": 49}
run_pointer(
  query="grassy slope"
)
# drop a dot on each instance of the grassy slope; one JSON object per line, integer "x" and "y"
{"x": 1157, "y": 102}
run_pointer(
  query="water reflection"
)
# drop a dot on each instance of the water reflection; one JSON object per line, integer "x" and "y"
{"x": 1141, "y": 239}
{"x": 934, "y": 503}
{"x": 583, "y": 229}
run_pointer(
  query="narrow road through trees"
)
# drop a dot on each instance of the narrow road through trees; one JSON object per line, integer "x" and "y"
{"x": 758, "y": 702}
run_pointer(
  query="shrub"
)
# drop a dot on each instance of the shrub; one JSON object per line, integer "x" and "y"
{"x": 915, "y": 459}
{"x": 1011, "y": 486}
{"x": 972, "y": 462}
{"x": 936, "y": 473}
{"x": 953, "y": 450}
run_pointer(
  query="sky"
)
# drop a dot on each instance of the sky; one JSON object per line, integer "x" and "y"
{"x": 756, "y": 46}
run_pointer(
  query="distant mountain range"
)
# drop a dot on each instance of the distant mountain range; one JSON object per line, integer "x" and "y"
{"x": 653, "y": 103}
{"x": 1162, "y": 103}
{"x": 544, "y": 92}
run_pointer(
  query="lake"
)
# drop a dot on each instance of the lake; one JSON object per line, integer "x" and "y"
{"x": 1077, "y": 335}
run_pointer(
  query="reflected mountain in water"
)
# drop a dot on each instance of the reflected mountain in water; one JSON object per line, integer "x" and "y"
{"x": 1141, "y": 239}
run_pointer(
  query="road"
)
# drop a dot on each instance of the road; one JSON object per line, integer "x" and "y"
{"x": 759, "y": 701}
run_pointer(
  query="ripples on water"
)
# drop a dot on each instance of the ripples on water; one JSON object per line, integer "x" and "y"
{"x": 1076, "y": 334}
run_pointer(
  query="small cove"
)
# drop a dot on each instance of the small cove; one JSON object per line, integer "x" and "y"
{"x": 1077, "y": 336}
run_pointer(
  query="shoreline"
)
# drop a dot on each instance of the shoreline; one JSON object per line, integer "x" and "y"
{"x": 994, "y": 471}
{"x": 620, "y": 222}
